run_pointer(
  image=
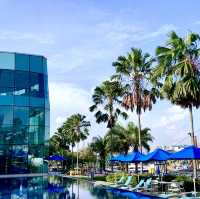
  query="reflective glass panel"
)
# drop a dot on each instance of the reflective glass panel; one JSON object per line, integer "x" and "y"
{"x": 6, "y": 115}
{"x": 6, "y": 133}
{"x": 21, "y": 100}
{"x": 6, "y": 78}
{"x": 6, "y": 96}
{"x": 44, "y": 65}
{"x": 7, "y": 60}
{"x": 36, "y": 134}
{"x": 47, "y": 133}
{"x": 36, "y": 85}
{"x": 20, "y": 134}
{"x": 21, "y": 116}
{"x": 36, "y": 116}
{"x": 36, "y": 102}
{"x": 47, "y": 117}
{"x": 21, "y": 62}
{"x": 19, "y": 159}
{"x": 36, "y": 64}
{"x": 36, "y": 158}
{"x": 21, "y": 79}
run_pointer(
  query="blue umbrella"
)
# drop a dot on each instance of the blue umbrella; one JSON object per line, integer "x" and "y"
{"x": 56, "y": 157}
{"x": 188, "y": 153}
{"x": 156, "y": 155}
{"x": 130, "y": 157}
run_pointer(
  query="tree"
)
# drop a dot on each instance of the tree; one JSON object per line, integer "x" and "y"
{"x": 177, "y": 72}
{"x": 134, "y": 72}
{"x": 105, "y": 98}
{"x": 127, "y": 137}
{"x": 98, "y": 145}
{"x": 76, "y": 128}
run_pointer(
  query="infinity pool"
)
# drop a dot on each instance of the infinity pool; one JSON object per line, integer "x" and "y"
{"x": 59, "y": 188}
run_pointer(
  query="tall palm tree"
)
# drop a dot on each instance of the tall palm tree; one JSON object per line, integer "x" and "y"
{"x": 105, "y": 98}
{"x": 134, "y": 71}
{"x": 178, "y": 72}
{"x": 98, "y": 145}
{"x": 76, "y": 128}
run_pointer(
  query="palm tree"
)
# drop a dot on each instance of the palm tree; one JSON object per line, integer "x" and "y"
{"x": 127, "y": 138}
{"x": 134, "y": 71}
{"x": 177, "y": 72}
{"x": 77, "y": 129}
{"x": 105, "y": 98}
{"x": 98, "y": 145}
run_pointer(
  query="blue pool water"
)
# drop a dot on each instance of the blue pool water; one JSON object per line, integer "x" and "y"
{"x": 59, "y": 188}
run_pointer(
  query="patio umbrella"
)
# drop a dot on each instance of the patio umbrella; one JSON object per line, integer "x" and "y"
{"x": 56, "y": 158}
{"x": 188, "y": 153}
{"x": 156, "y": 155}
{"x": 130, "y": 157}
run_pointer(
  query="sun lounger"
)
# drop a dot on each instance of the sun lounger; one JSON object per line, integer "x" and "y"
{"x": 126, "y": 184}
{"x": 175, "y": 188}
{"x": 122, "y": 180}
{"x": 140, "y": 184}
{"x": 147, "y": 185}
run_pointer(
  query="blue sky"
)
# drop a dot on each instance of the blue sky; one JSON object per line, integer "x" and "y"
{"x": 81, "y": 39}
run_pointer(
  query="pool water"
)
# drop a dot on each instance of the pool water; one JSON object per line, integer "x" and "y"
{"x": 59, "y": 188}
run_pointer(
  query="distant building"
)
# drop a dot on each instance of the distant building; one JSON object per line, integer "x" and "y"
{"x": 24, "y": 113}
{"x": 173, "y": 148}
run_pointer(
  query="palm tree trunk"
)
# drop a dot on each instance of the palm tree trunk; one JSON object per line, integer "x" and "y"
{"x": 139, "y": 138}
{"x": 111, "y": 149}
{"x": 192, "y": 125}
{"x": 139, "y": 134}
{"x": 77, "y": 158}
{"x": 72, "y": 157}
{"x": 193, "y": 141}
{"x": 127, "y": 167}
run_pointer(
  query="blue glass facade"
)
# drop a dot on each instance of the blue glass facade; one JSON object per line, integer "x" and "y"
{"x": 24, "y": 113}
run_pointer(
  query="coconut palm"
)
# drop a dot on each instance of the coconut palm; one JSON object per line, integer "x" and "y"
{"x": 178, "y": 72}
{"x": 126, "y": 138}
{"x": 98, "y": 145}
{"x": 133, "y": 70}
{"x": 77, "y": 128}
{"x": 106, "y": 97}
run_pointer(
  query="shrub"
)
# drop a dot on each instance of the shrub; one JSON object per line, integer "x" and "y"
{"x": 100, "y": 178}
{"x": 182, "y": 178}
{"x": 168, "y": 178}
{"x": 114, "y": 177}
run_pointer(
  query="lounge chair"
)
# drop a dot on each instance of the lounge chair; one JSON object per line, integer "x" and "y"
{"x": 139, "y": 185}
{"x": 147, "y": 185}
{"x": 175, "y": 187}
{"x": 122, "y": 180}
{"x": 127, "y": 183}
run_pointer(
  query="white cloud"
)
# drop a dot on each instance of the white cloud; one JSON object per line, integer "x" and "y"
{"x": 67, "y": 99}
{"x": 171, "y": 117}
{"x": 35, "y": 37}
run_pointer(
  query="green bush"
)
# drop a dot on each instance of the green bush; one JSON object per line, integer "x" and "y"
{"x": 114, "y": 177}
{"x": 182, "y": 178}
{"x": 100, "y": 178}
{"x": 168, "y": 178}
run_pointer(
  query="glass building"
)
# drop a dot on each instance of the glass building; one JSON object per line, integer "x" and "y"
{"x": 24, "y": 113}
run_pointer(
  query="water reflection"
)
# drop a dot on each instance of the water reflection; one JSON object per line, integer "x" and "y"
{"x": 58, "y": 188}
